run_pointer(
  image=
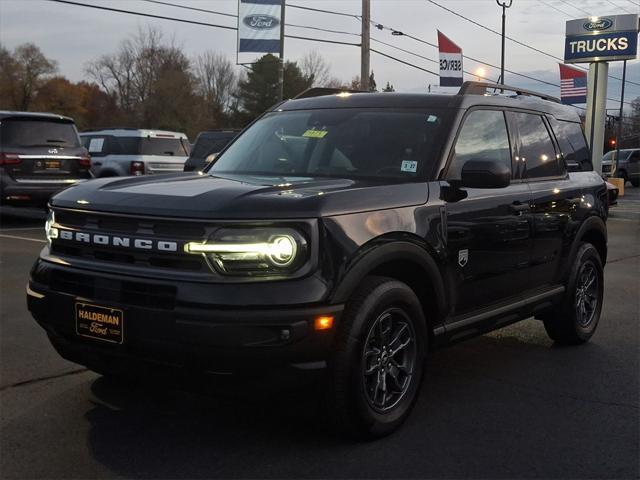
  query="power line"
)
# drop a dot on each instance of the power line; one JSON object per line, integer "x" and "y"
{"x": 383, "y": 27}
{"x": 193, "y": 22}
{"x": 191, "y": 8}
{"x": 556, "y": 8}
{"x": 323, "y": 11}
{"x": 236, "y": 16}
{"x": 576, "y": 7}
{"x": 618, "y": 6}
{"x": 406, "y": 63}
{"x": 453, "y": 12}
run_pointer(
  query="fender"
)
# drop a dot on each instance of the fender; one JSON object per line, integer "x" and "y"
{"x": 393, "y": 251}
{"x": 589, "y": 224}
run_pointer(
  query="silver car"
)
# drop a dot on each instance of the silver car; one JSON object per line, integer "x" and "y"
{"x": 129, "y": 151}
{"x": 628, "y": 165}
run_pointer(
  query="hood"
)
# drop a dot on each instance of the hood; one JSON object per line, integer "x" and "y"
{"x": 237, "y": 197}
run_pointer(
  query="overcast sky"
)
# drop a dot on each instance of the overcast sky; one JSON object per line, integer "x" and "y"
{"x": 73, "y": 35}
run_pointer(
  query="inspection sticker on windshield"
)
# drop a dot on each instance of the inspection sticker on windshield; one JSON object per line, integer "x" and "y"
{"x": 409, "y": 166}
{"x": 315, "y": 133}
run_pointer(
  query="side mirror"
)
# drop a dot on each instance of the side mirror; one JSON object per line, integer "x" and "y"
{"x": 485, "y": 174}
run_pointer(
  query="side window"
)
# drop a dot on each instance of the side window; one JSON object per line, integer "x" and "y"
{"x": 97, "y": 146}
{"x": 634, "y": 157}
{"x": 573, "y": 145}
{"x": 483, "y": 137}
{"x": 536, "y": 147}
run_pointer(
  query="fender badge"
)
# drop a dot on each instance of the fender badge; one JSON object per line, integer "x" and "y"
{"x": 463, "y": 257}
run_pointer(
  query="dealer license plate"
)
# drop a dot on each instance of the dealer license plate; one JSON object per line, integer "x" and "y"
{"x": 100, "y": 323}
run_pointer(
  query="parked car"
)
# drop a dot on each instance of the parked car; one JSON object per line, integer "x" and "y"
{"x": 129, "y": 151}
{"x": 628, "y": 165}
{"x": 351, "y": 232}
{"x": 207, "y": 146}
{"x": 40, "y": 154}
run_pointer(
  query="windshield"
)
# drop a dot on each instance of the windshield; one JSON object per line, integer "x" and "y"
{"x": 348, "y": 143}
{"x": 25, "y": 132}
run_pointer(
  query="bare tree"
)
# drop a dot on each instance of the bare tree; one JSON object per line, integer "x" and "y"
{"x": 22, "y": 73}
{"x": 315, "y": 68}
{"x": 216, "y": 82}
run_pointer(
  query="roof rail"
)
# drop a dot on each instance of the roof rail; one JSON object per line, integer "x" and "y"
{"x": 480, "y": 88}
{"x": 321, "y": 91}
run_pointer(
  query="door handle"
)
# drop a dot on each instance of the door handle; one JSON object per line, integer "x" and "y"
{"x": 517, "y": 207}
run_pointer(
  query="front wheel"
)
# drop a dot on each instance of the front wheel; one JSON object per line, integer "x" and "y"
{"x": 377, "y": 367}
{"x": 575, "y": 320}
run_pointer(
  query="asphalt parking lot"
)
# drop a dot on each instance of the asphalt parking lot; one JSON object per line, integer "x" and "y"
{"x": 505, "y": 405}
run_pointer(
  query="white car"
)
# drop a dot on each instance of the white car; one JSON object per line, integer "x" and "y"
{"x": 130, "y": 151}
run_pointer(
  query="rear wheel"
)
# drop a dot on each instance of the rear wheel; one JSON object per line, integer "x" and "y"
{"x": 623, "y": 175}
{"x": 575, "y": 320}
{"x": 635, "y": 182}
{"x": 377, "y": 367}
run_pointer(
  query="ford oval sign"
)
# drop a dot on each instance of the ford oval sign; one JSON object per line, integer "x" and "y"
{"x": 261, "y": 22}
{"x": 600, "y": 24}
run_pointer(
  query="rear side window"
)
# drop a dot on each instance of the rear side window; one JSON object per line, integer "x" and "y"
{"x": 536, "y": 150}
{"x": 483, "y": 137}
{"x": 150, "y": 146}
{"x": 573, "y": 145}
{"x": 97, "y": 146}
{"x": 27, "y": 132}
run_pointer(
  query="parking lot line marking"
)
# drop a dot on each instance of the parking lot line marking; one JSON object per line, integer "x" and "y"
{"x": 15, "y": 237}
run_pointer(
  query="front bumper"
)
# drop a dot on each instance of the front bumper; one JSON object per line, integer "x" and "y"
{"x": 161, "y": 329}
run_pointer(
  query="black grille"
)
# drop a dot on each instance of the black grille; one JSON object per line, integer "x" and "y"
{"x": 148, "y": 228}
{"x": 109, "y": 290}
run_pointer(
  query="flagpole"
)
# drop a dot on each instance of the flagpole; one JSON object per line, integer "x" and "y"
{"x": 281, "y": 62}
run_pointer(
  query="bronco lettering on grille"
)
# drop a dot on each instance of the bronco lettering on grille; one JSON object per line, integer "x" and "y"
{"x": 118, "y": 241}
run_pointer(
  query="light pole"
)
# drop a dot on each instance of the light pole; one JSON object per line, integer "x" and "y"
{"x": 504, "y": 4}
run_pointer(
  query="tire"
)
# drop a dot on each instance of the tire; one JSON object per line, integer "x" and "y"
{"x": 575, "y": 320}
{"x": 635, "y": 182}
{"x": 364, "y": 400}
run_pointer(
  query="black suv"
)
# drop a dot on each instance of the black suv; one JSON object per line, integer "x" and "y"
{"x": 353, "y": 231}
{"x": 207, "y": 146}
{"x": 40, "y": 154}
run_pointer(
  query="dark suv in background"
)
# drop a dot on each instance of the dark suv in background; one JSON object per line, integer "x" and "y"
{"x": 351, "y": 231}
{"x": 207, "y": 146}
{"x": 40, "y": 154}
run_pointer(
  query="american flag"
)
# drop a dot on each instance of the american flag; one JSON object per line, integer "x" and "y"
{"x": 573, "y": 85}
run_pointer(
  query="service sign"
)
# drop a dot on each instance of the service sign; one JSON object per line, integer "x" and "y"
{"x": 259, "y": 26}
{"x": 450, "y": 62}
{"x": 601, "y": 39}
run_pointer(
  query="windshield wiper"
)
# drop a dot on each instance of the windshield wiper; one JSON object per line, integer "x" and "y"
{"x": 55, "y": 140}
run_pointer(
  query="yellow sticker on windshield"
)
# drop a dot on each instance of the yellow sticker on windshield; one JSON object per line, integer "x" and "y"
{"x": 315, "y": 133}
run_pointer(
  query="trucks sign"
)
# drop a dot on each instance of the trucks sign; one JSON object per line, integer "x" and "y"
{"x": 601, "y": 39}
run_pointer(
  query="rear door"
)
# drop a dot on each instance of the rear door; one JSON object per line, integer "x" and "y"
{"x": 555, "y": 196}
{"x": 43, "y": 150}
{"x": 489, "y": 231}
{"x": 634, "y": 167}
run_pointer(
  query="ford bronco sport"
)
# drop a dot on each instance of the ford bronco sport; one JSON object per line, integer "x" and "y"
{"x": 356, "y": 231}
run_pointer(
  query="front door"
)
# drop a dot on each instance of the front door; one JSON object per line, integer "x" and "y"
{"x": 489, "y": 232}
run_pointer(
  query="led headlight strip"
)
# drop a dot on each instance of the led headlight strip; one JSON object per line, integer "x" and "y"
{"x": 280, "y": 249}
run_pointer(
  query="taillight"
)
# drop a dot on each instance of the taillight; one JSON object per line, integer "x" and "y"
{"x": 9, "y": 159}
{"x": 137, "y": 168}
{"x": 85, "y": 161}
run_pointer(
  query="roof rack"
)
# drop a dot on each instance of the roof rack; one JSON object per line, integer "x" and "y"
{"x": 480, "y": 88}
{"x": 321, "y": 91}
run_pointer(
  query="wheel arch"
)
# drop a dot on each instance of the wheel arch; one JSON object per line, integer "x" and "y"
{"x": 408, "y": 262}
{"x": 594, "y": 231}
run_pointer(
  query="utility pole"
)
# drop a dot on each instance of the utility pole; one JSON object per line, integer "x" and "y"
{"x": 281, "y": 60}
{"x": 364, "y": 49}
{"x": 619, "y": 134}
{"x": 504, "y": 4}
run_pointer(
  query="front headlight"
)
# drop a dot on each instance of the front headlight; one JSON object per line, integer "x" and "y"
{"x": 253, "y": 251}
